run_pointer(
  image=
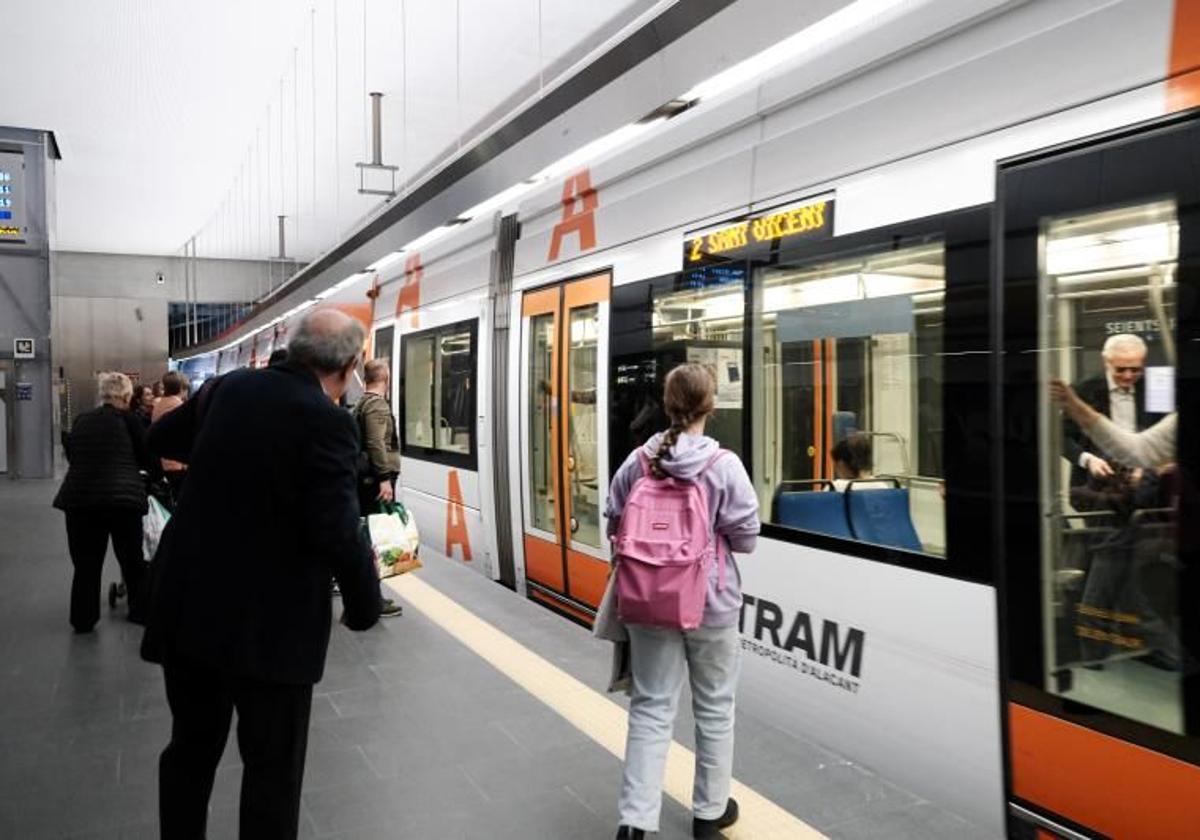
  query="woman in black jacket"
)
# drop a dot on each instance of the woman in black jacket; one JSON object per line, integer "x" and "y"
{"x": 104, "y": 495}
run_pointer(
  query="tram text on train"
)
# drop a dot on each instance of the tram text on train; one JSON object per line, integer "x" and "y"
{"x": 834, "y": 657}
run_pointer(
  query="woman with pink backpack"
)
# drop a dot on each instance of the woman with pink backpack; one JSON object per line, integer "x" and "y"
{"x": 677, "y": 509}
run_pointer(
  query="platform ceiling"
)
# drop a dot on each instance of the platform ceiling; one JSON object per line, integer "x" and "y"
{"x": 178, "y": 116}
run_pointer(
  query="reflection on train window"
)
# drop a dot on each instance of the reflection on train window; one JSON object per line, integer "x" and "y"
{"x": 418, "y": 390}
{"x": 382, "y": 345}
{"x": 1109, "y": 487}
{"x": 438, "y": 399}
{"x": 541, "y": 422}
{"x": 582, "y": 435}
{"x": 848, "y": 415}
{"x": 453, "y": 395}
{"x": 703, "y": 321}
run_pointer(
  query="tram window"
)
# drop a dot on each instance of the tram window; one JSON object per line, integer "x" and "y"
{"x": 453, "y": 386}
{"x": 418, "y": 390}
{"x": 1109, "y": 544}
{"x": 438, "y": 399}
{"x": 382, "y": 346}
{"x": 697, "y": 316}
{"x": 847, "y": 383}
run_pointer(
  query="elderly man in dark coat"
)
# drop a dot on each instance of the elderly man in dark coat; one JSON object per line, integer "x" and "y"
{"x": 240, "y": 607}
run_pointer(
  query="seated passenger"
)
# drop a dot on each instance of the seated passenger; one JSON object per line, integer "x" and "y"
{"x": 851, "y": 460}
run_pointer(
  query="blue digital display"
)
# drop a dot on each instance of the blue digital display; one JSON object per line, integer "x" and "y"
{"x": 5, "y": 214}
{"x": 714, "y": 275}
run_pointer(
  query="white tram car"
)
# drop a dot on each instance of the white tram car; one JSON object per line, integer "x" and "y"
{"x": 903, "y": 237}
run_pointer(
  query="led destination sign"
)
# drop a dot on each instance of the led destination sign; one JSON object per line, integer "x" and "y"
{"x": 808, "y": 221}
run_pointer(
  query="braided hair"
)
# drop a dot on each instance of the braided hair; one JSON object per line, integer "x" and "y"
{"x": 689, "y": 394}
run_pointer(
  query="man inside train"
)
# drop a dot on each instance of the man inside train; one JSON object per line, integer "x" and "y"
{"x": 1115, "y": 395}
{"x": 1102, "y": 483}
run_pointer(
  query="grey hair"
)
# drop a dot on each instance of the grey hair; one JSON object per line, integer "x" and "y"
{"x": 115, "y": 387}
{"x": 1123, "y": 341}
{"x": 327, "y": 341}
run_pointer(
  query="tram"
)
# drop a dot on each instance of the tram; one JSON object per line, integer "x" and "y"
{"x": 907, "y": 255}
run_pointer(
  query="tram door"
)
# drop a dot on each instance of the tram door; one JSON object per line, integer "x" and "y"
{"x": 1101, "y": 557}
{"x": 563, "y": 431}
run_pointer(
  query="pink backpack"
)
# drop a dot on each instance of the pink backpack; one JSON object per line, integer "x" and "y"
{"x": 664, "y": 548}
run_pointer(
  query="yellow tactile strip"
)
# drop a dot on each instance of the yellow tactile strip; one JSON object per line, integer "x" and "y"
{"x": 587, "y": 710}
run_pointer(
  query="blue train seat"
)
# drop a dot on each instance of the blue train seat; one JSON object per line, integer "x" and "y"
{"x": 814, "y": 510}
{"x": 882, "y": 516}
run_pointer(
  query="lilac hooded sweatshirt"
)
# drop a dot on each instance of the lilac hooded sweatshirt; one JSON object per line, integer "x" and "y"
{"x": 732, "y": 508}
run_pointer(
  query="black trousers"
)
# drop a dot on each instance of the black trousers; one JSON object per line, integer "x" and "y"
{"x": 272, "y": 736}
{"x": 88, "y": 532}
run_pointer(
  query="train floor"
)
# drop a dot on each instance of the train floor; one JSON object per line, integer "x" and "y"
{"x": 475, "y": 714}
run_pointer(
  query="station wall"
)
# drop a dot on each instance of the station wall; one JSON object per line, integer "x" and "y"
{"x": 109, "y": 311}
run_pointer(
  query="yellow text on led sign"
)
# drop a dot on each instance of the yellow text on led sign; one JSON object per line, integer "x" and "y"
{"x": 764, "y": 229}
{"x": 9, "y": 231}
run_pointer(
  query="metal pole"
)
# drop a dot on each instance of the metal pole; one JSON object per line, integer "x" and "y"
{"x": 187, "y": 295}
{"x": 376, "y": 129}
{"x": 282, "y": 249}
{"x": 195, "y": 295}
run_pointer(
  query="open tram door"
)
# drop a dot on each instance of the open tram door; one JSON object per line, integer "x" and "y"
{"x": 1098, "y": 284}
{"x": 564, "y": 362}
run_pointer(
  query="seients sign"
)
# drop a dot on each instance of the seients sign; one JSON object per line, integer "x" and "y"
{"x": 813, "y": 220}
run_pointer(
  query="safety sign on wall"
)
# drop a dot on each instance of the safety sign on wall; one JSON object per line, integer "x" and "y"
{"x": 23, "y": 348}
{"x": 24, "y": 391}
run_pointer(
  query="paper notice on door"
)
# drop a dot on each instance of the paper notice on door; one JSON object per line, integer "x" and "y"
{"x": 1160, "y": 389}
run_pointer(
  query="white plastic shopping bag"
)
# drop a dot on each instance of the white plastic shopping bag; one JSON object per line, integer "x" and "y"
{"x": 395, "y": 538}
{"x": 153, "y": 523}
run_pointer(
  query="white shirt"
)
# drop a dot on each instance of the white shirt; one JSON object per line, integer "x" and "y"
{"x": 1122, "y": 405}
{"x": 1122, "y": 408}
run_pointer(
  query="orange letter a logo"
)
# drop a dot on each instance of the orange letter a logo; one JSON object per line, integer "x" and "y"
{"x": 581, "y": 220}
{"x": 456, "y": 520}
{"x": 410, "y": 292}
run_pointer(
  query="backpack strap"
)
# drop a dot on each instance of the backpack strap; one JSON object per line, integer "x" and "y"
{"x": 644, "y": 461}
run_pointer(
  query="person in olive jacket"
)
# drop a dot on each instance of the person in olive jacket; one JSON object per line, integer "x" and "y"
{"x": 104, "y": 496}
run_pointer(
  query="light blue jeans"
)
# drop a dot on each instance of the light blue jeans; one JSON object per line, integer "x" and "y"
{"x": 660, "y": 658}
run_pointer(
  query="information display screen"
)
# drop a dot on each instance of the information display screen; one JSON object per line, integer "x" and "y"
{"x": 12, "y": 198}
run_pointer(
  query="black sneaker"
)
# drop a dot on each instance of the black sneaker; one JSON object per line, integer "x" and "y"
{"x": 712, "y": 828}
{"x": 389, "y": 608}
{"x": 627, "y": 833}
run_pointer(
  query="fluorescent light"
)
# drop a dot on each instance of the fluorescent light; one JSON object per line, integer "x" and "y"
{"x": 500, "y": 199}
{"x": 428, "y": 237}
{"x": 595, "y": 149}
{"x": 340, "y": 285}
{"x": 1134, "y": 245}
{"x": 806, "y": 40}
{"x": 383, "y": 262}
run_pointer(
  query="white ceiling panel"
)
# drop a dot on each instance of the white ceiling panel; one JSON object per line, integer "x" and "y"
{"x": 181, "y": 118}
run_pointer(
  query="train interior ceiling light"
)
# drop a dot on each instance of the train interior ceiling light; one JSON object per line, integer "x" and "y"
{"x": 816, "y": 35}
{"x": 1113, "y": 240}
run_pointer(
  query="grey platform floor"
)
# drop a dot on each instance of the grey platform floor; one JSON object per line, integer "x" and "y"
{"x": 412, "y": 734}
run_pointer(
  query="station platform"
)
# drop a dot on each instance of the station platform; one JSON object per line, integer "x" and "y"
{"x": 475, "y": 714}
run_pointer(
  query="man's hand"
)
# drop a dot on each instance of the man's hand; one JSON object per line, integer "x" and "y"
{"x": 1097, "y": 467}
{"x": 386, "y": 494}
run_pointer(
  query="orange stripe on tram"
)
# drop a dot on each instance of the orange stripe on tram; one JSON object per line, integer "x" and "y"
{"x": 1104, "y": 783}
{"x": 1183, "y": 83}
